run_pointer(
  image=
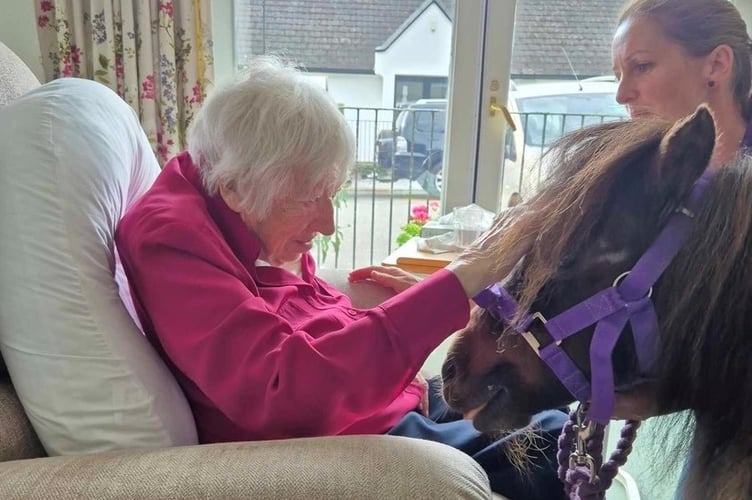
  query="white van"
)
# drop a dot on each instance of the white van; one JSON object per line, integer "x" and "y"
{"x": 542, "y": 113}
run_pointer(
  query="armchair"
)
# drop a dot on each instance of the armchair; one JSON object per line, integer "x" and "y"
{"x": 90, "y": 464}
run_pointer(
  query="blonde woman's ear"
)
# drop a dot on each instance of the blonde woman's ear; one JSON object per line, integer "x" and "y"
{"x": 720, "y": 65}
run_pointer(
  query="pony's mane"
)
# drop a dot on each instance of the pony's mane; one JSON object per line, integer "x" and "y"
{"x": 705, "y": 341}
{"x": 706, "y": 301}
{"x": 587, "y": 164}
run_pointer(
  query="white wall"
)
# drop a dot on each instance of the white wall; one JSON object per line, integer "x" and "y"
{"x": 745, "y": 7}
{"x": 356, "y": 91}
{"x": 359, "y": 91}
{"x": 18, "y": 30}
{"x": 424, "y": 49}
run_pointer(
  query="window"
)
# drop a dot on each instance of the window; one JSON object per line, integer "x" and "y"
{"x": 408, "y": 89}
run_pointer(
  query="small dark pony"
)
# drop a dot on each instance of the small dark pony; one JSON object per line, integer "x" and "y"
{"x": 612, "y": 190}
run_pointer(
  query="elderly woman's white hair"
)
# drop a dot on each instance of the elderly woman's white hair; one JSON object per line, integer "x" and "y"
{"x": 271, "y": 135}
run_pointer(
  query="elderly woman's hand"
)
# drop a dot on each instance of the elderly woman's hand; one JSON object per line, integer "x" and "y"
{"x": 480, "y": 265}
{"x": 387, "y": 276}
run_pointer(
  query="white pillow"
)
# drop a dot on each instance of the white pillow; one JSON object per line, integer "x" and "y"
{"x": 73, "y": 157}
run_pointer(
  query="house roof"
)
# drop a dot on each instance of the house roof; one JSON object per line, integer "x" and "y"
{"x": 342, "y": 35}
{"x": 323, "y": 35}
{"x": 413, "y": 17}
{"x": 583, "y": 28}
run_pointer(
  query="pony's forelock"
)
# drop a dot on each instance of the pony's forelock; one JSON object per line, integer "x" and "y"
{"x": 587, "y": 164}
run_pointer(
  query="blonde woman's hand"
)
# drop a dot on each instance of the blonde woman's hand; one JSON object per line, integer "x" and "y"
{"x": 390, "y": 277}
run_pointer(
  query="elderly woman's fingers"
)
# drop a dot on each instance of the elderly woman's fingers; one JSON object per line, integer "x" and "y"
{"x": 387, "y": 276}
{"x": 364, "y": 273}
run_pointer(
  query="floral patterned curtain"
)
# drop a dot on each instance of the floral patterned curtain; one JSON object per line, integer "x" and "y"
{"x": 157, "y": 55}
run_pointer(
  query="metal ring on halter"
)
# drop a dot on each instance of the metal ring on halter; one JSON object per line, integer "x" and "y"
{"x": 623, "y": 275}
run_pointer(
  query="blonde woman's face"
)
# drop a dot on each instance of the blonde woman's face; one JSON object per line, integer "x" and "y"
{"x": 657, "y": 77}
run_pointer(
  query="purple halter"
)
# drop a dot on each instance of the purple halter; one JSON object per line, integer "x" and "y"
{"x": 628, "y": 300}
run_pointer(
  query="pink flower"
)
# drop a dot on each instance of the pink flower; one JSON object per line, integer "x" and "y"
{"x": 67, "y": 70}
{"x": 119, "y": 70}
{"x": 197, "y": 94}
{"x": 43, "y": 21}
{"x": 420, "y": 214}
{"x": 420, "y": 211}
{"x": 147, "y": 88}
{"x": 46, "y": 6}
{"x": 166, "y": 7}
{"x": 163, "y": 149}
{"x": 75, "y": 55}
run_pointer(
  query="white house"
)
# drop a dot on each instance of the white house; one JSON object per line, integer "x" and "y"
{"x": 379, "y": 55}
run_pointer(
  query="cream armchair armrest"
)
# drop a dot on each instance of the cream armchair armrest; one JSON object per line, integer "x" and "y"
{"x": 331, "y": 468}
{"x": 363, "y": 294}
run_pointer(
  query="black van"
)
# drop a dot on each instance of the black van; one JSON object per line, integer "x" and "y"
{"x": 415, "y": 148}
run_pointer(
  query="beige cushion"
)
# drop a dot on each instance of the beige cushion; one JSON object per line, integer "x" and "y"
{"x": 17, "y": 437}
{"x": 331, "y": 468}
{"x": 15, "y": 77}
{"x": 75, "y": 158}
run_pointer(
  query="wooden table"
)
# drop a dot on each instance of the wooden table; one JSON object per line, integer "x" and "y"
{"x": 412, "y": 260}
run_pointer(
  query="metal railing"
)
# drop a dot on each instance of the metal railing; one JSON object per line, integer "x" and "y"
{"x": 393, "y": 175}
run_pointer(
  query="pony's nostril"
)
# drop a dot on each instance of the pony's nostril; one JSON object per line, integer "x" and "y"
{"x": 497, "y": 391}
{"x": 448, "y": 369}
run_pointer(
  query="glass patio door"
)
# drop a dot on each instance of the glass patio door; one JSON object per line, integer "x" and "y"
{"x": 479, "y": 84}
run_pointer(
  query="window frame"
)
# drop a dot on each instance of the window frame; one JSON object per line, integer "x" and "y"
{"x": 426, "y": 84}
{"x": 483, "y": 34}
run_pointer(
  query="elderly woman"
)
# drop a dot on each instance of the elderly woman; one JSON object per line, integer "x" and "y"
{"x": 217, "y": 254}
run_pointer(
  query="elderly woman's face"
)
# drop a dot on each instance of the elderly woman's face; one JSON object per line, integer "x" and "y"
{"x": 292, "y": 224}
{"x": 289, "y": 229}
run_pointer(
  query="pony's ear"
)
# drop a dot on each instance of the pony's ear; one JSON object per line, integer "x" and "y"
{"x": 685, "y": 153}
